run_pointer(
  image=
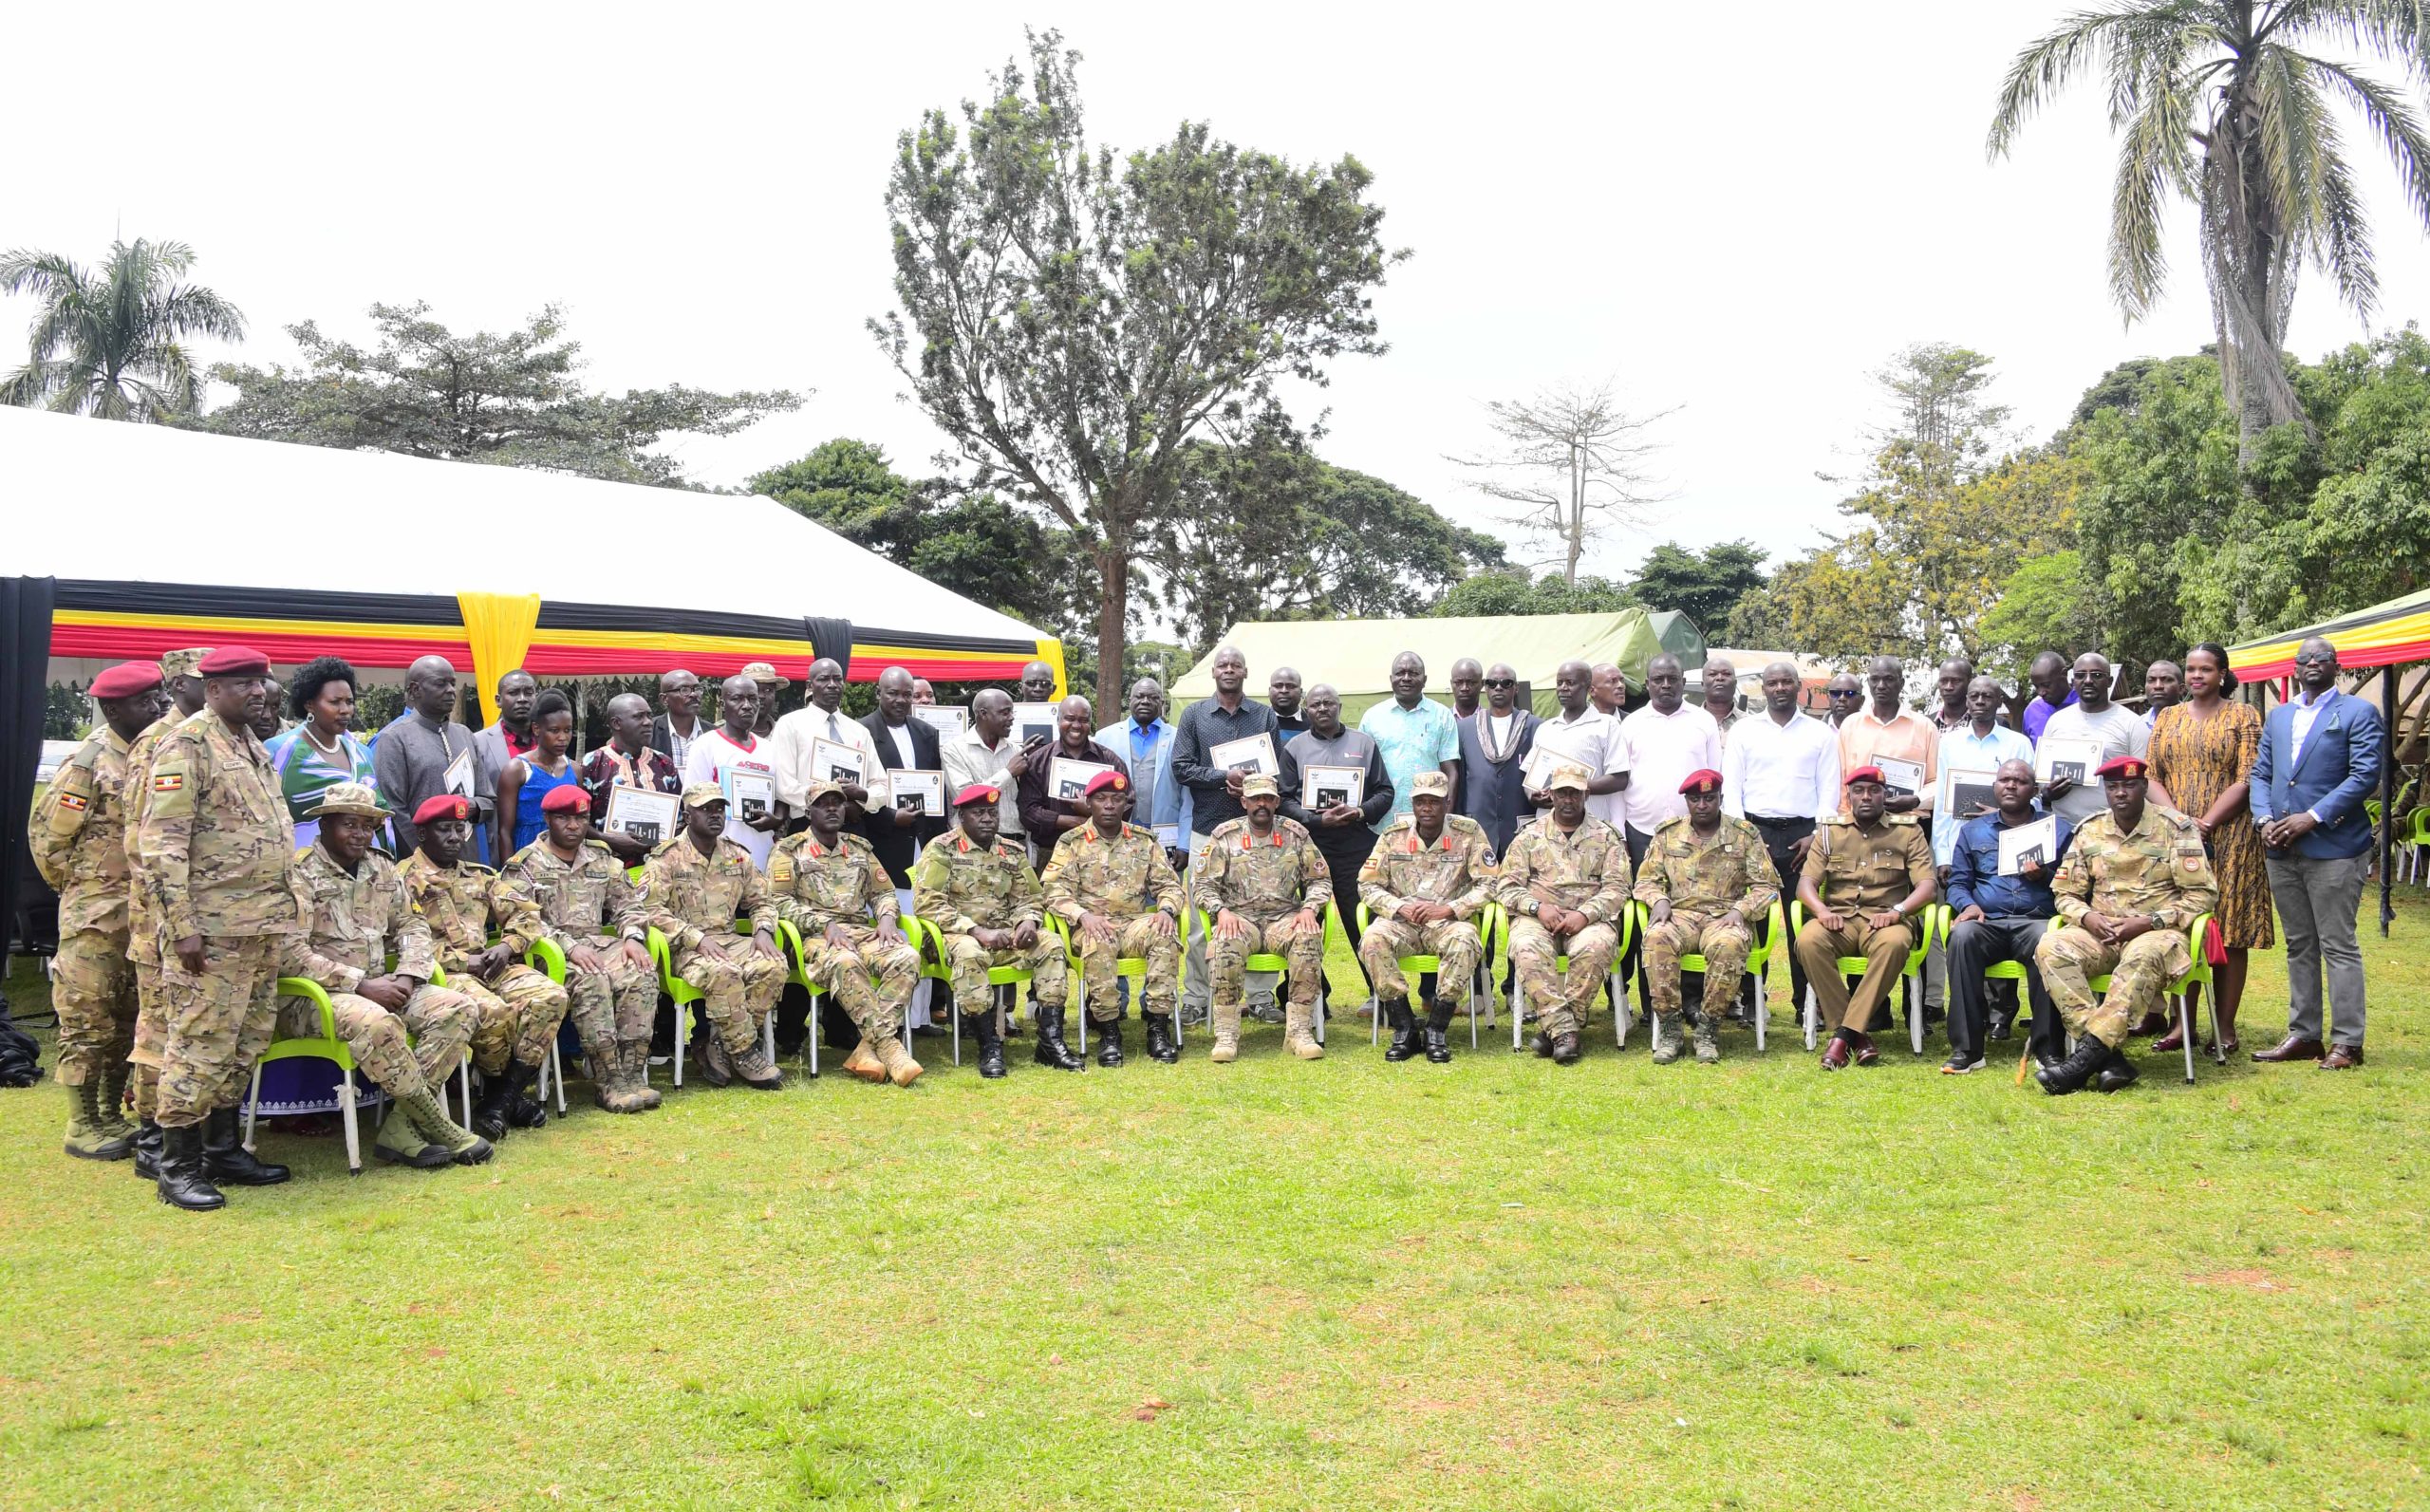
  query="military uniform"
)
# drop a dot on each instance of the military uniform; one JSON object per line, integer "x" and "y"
{"x": 1456, "y": 870}
{"x": 144, "y": 924}
{"x": 959, "y": 888}
{"x": 519, "y": 1007}
{"x": 1857, "y": 870}
{"x": 1128, "y": 880}
{"x": 80, "y": 848}
{"x": 1706, "y": 878}
{"x": 541, "y": 896}
{"x": 1587, "y": 870}
{"x": 817, "y": 887}
{"x": 2159, "y": 871}
{"x": 694, "y": 901}
{"x": 1265, "y": 885}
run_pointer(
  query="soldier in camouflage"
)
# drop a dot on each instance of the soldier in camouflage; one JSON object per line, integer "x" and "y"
{"x": 519, "y": 1007}
{"x": 1110, "y": 882}
{"x": 568, "y": 889}
{"x": 698, "y": 885}
{"x": 833, "y": 890}
{"x": 183, "y": 685}
{"x": 1564, "y": 882}
{"x": 213, "y": 853}
{"x": 78, "y": 843}
{"x": 977, "y": 891}
{"x": 1424, "y": 885}
{"x": 1867, "y": 874}
{"x": 406, "y": 1034}
{"x": 2129, "y": 890}
{"x": 1707, "y": 883}
{"x": 1268, "y": 883}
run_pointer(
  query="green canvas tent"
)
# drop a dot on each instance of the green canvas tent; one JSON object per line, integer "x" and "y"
{"x": 1355, "y": 656}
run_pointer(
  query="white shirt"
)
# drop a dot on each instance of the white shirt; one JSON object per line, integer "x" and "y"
{"x": 1593, "y": 740}
{"x": 901, "y": 736}
{"x": 789, "y": 746}
{"x": 1662, "y": 749}
{"x": 712, "y": 756}
{"x": 2307, "y": 710}
{"x": 1775, "y": 771}
{"x": 1961, "y": 749}
{"x": 967, "y": 759}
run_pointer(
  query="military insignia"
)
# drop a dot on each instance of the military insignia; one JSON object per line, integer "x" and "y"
{"x": 73, "y": 800}
{"x": 169, "y": 782}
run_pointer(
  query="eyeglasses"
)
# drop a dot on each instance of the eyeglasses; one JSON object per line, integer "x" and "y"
{"x": 1845, "y": 693}
{"x": 2318, "y": 658}
{"x": 1501, "y": 683}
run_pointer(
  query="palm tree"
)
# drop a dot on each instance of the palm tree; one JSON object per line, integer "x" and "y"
{"x": 109, "y": 344}
{"x": 2226, "y": 104}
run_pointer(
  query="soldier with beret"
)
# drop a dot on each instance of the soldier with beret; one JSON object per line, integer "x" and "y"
{"x": 183, "y": 684}
{"x": 1109, "y": 881}
{"x": 521, "y": 1008}
{"x": 79, "y": 844}
{"x": 407, "y": 1035}
{"x": 2129, "y": 889}
{"x": 833, "y": 890}
{"x": 1867, "y": 874}
{"x": 696, "y": 886}
{"x": 1429, "y": 877}
{"x": 977, "y": 888}
{"x": 1564, "y": 881}
{"x": 1268, "y": 883}
{"x": 567, "y": 889}
{"x": 1708, "y": 881}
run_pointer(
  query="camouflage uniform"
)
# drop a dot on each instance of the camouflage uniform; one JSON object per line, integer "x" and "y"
{"x": 959, "y": 889}
{"x": 540, "y": 897}
{"x": 694, "y": 901}
{"x": 1706, "y": 878}
{"x": 351, "y": 922}
{"x": 143, "y": 926}
{"x": 1856, "y": 872}
{"x": 1587, "y": 870}
{"x": 1265, "y": 886}
{"x": 1128, "y": 880}
{"x": 816, "y": 887}
{"x": 2158, "y": 869}
{"x": 1457, "y": 869}
{"x": 212, "y": 852}
{"x": 80, "y": 848}
{"x": 519, "y": 1007}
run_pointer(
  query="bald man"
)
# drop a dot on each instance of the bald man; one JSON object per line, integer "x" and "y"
{"x": 1037, "y": 683}
{"x": 794, "y": 741}
{"x": 627, "y": 761}
{"x": 425, "y": 752}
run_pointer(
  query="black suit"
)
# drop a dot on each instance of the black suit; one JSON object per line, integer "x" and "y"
{"x": 896, "y": 846}
{"x": 661, "y": 735}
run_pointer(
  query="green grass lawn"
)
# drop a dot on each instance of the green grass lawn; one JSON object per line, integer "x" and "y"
{"x": 1496, "y": 1285}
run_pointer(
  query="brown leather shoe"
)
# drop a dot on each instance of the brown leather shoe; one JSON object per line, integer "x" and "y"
{"x": 2342, "y": 1057}
{"x": 2291, "y": 1048}
{"x": 1835, "y": 1055}
{"x": 1867, "y": 1052}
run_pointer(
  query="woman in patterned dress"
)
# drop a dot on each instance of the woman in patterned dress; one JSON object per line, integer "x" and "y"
{"x": 2202, "y": 752}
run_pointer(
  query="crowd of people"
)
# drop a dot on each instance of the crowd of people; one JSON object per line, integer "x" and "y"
{"x": 451, "y": 893}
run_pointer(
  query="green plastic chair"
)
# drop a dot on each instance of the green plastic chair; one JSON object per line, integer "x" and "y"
{"x": 683, "y": 995}
{"x": 1003, "y": 983}
{"x": 1133, "y": 967}
{"x": 1265, "y": 962}
{"x": 327, "y": 1046}
{"x": 545, "y": 957}
{"x": 1909, "y": 976}
{"x": 1488, "y": 923}
{"x": 1774, "y": 936}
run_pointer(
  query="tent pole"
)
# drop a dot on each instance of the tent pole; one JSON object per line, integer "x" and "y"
{"x": 2387, "y": 792}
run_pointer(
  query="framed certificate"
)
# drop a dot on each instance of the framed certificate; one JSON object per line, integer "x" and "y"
{"x": 834, "y": 761}
{"x": 1901, "y": 776}
{"x": 1965, "y": 792}
{"x": 1068, "y": 780}
{"x": 458, "y": 780}
{"x": 1541, "y": 762}
{"x": 947, "y": 719}
{"x": 1322, "y": 788}
{"x": 1250, "y": 753}
{"x": 2069, "y": 758}
{"x": 918, "y": 791}
{"x": 1033, "y": 722}
{"x": 2029, "y": 845}
{"x": 642, "y": 813}
{"x": 749, "y": 794}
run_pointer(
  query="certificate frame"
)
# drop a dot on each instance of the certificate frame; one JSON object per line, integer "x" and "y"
{"x": 749, "y": 794}
{"x": 1962, "y": 787}
{"x": 460, "y": 778}
{"x": 830, "y": 760}
{"x": 2068, "y": 756}
{"x": 1539, "y": 769}
{"x": 1337, "y": 784}
{"x": 1901, "y": 776}
{"x": 1067, "y": 776}
{"x": 947, "y": 719}
{"x": 1249, "y": 755}
{"x": 643, "y": 814}
{"x": 2037, "y": 840}
{"x": 1034, "y": 721}
{"x": 919, "y": 790}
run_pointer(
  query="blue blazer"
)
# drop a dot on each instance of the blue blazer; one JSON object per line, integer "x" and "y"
{"x": 2339, "y": 768}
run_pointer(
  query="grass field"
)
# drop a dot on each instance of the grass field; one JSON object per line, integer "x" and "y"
{"x": 1496, "y": 1285}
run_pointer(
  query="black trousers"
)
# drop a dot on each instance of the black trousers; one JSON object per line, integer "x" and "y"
{"x": 1977, "y": 944}
{"x": 1779, "y": 842}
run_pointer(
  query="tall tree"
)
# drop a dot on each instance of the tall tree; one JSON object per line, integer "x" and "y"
{"x": 112, "y": 343}
{"x": 1576, "y": 464}
{"x": 2225, "y": 103}
{"x": 510, "y": 398}
{"x": 1704, "y": 585}
{"x": 1071, "y": 319}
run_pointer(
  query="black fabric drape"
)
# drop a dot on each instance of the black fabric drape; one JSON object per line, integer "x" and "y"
{"x": 25, "y": 677}
{"x": 831, "y": 639}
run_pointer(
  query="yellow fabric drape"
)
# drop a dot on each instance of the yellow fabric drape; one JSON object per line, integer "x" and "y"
{"x": 500, "y": 627}
{"x": 1050, "y": 652}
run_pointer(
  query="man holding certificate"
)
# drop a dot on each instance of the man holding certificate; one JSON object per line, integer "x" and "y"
{"x": 1999, "y": 882}
{"x": 1109, "y": 881}
{"x": 1266, "y": 882}
{"x": 696, "y": 886}
{"x": 1055, "y": 777}
{"x": 818, "y": 743}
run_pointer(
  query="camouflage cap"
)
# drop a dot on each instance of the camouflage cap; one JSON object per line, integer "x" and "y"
{"x": 1568, "y": 774}
{"x": 820, "y": 788}
{"x": 348, "y": 797}
{"x": 701, "y": 794}
{"x": 765, "y": 672}
{"x": 1261, "y": 784}
{"x": 1429, "y": 785}
{"x": 186, "y": 664}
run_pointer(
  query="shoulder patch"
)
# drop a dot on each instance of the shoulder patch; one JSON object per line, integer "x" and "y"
{"x": 170, "y": 780}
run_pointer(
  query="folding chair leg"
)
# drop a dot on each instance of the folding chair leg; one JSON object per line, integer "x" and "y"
{"x": 464, "y": 1076}
{"x": 1812, "y": 1010}
{"x": 1915, "y": 1014}
{"x": 1518, "y": 1012}
{"x": 346, "y": 1112}
{"x": 682, "y": 1021}
{"x": 1762, "y": 1005}
{"x": 2185, "y": 1011}
{"x": 957, "y": 1023}
{"x": 1619, "y": 992}
{"x": 557, "y": 1066}
{"x": 254, "y": 1106}
{"x": 768, "y": 1035}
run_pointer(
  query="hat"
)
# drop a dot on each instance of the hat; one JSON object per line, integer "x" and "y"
{"x": 234, "y": 661}
{"x": 1863, "y": 775}
{"x": 348, "y": 797}
{"x": 1567, "y": 774}
{"x": 1105, "y": 779}
{"x": 182, "y": 663}
{"x": 2125, "y": 767}
{"x": 1705, "y": 781}
{"x": 1260, "y": 782}
{"x": 976, "y": 793}
{"x": 443, "y": 806}
{"x": 701, "y": 794}
{"x": 567, "y": 799}
{"x": 765, "y": 672}
{"x": 820, "y": 788}
{"x": 1429, "y": 785}
{"x": 126, "y": 679}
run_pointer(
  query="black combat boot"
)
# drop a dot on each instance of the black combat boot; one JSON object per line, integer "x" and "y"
{"x": 1110, "y": 1042}
{"x": 1052, "y": 1051}
{"x": 1438, "y": 1036}
{"x": 2116, "y": 1073}
{"x": 2070, "y": 1074}
{"x": 181, "y": 1181}
{"x": 1161, "y": 1047}
{"x": 991, "y": 1044}
{"x": 147, "y": 1150}
{"x": 494, "y": 1114}
{"x": 225, "y": 1159}
{"x": 1404, "y": 1024}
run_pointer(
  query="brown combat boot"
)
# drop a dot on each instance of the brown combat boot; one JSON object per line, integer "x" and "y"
{"x": 863, "y": 1065}
{"x": 753, "y": 1069}
{"x": 900, "y": 1067}
{"x": 1226, "y": 1020}
{"x": 637, "y": 1054}
{"x": 717, "y": 1066}
{"x": 1299, "y": 1031}
{"x": 615, "y": 1069}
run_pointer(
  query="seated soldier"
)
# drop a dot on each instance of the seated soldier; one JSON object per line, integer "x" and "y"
{"x": 2129, "y": 889}
{"x": 1429, "y": 877}
{"x": 1867, "y": 873}
{"x": 830, "y": 887}
{"x": 407, "y": 1035}
{"x": 1564, "y": 883}
{"x": 695, "y": 886}
{"x": 977, "y": 888}
{"x": 1109, "y": 881}
{"x": 568, "y": 889}
{"x": 1268, "y": 883}
{"x": 521, "y": 1008}
{"x": 1707, "y": 883}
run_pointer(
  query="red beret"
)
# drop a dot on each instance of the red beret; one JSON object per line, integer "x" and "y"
{"x": 126, "y": 679}
{"x": 566, "y": 799}
{"x": 2125, "y": 766}
{"x": 443, "y": 806}
{"x": 1865, "y": 774}
{"x": 1105, "y": 779}
{"x": 1705, "y": 781}
{"x": 234, "y": 661}
{"x": 976, "y": 793}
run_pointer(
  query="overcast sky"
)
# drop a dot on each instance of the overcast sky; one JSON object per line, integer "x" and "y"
{"x": 1743, "y": 224}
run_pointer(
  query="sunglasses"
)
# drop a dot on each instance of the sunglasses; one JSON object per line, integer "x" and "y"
{"x": 1845, "y": 693}
{"x": 1501, "y": 683}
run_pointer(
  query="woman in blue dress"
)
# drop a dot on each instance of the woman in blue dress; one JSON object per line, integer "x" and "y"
{"x": 529, "y": 778}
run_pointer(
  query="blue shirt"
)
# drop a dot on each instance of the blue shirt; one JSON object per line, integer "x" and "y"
{"x": 2038, "y": 712}
{"x": 1411, "y": 740}
{"x": 1974, "y": 879}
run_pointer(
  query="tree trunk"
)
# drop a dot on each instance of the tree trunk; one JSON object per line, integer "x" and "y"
{"x": 1114, "y": 613}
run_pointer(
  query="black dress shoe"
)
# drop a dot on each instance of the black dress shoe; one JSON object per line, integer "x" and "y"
{"x": 2292, "y": 1048}
{"x": 2003, "y": 1025}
